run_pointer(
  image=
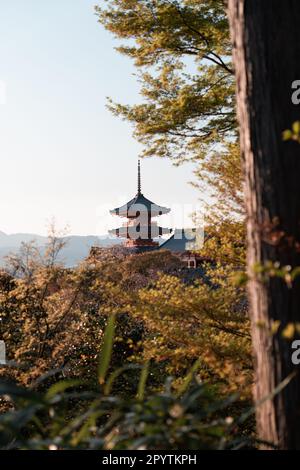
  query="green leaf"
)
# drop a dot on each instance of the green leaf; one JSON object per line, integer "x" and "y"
{"x": 142, "y": 381}
{"x": 61, "y": 386}
{"x": 106, "y": 350}
{"x": 85, "y": 430}
{"x": 115, "y": 374}
{"x": 295, "y": 273}
{"x": 189, "y": 377}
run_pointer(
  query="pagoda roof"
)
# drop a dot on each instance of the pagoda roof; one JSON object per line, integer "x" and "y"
{"x": 138, "y": 205}
{"x": 140, "y": 231}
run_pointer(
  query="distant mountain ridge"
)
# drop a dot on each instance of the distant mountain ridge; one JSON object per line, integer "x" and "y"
{"x": 77, "y": 247}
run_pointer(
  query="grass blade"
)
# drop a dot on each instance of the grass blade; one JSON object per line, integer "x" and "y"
{"x": 142, "y": 382}
{"x": 106, "y": 350}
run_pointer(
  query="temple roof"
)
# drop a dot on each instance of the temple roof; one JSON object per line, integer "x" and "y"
{"x": 181, "y": 240}
{"x": 139, "y": 204}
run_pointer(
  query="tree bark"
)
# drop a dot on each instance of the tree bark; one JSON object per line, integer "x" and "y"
{"x": 266, "y": 43}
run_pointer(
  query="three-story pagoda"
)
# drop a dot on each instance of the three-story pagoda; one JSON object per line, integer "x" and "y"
{"x": 139, "y": 230}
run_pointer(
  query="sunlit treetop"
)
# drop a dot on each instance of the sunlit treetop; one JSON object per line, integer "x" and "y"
{"x": 183, "y": 53}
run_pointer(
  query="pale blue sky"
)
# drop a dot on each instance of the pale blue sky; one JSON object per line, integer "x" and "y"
{"x": 62, "y": 153}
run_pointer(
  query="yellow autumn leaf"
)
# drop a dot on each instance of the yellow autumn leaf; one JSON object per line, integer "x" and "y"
{"x": 289, "y": 331}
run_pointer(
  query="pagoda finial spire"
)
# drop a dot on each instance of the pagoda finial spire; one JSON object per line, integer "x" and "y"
{"x": 139, "y": 177}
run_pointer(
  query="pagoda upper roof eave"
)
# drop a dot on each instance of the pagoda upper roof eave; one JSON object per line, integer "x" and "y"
{"x": 136, "y": 205}
{"x": 154, "y": 213}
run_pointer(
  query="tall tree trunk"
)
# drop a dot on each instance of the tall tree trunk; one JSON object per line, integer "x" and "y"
{"x": 266, "y": 42}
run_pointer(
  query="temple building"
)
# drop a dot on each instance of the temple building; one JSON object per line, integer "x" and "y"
{"x": 140, "y": 233}
{"x": 139, "y": 230}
